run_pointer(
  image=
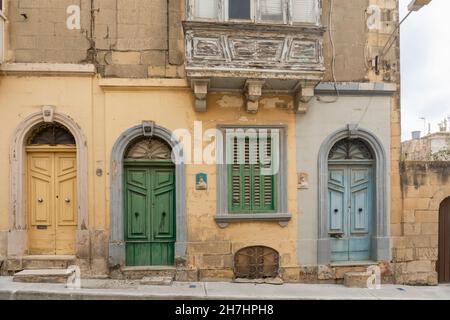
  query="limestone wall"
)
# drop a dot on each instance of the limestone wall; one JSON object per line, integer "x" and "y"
{"x": 424, "y": 186}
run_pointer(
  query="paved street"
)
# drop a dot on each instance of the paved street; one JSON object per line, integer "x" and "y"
{"x": 109, "y": 289}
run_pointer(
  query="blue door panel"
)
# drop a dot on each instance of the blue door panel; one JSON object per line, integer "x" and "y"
{"x": 350, "y": 212}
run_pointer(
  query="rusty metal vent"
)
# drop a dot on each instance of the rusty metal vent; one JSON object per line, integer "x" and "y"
{"x": 256, "y": 263}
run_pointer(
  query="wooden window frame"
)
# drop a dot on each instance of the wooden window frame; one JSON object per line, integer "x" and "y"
{"x": 225, "y": 216}
{"x": 255, "y": 14}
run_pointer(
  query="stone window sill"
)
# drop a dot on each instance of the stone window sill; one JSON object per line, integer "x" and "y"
{"x": 225, "y": 219}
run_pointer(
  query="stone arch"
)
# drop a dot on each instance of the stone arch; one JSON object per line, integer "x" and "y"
{"x": 116, "y": 243}
{"x": 438, "y": 197}
{"x": 17, "y": 238}
{"x": 381, "y": 241}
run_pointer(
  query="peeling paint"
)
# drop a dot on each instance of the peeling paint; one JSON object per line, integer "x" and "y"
{"x": 273, "y": 103}
{"x": 229, "y": 101}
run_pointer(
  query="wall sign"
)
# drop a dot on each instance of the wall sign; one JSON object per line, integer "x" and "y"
{"x": 201, "y": 181}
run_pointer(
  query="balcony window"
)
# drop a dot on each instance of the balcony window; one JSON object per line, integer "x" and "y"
{"x": 206, "y": 9}
{"x": 239, "y": 9}
{"x": 304, "y": 11}
{"x": 272, "y": 11}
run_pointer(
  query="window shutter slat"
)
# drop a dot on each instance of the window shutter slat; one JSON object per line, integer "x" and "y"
{"x": 304, "y": 11}
{"x": 251, "y": 191}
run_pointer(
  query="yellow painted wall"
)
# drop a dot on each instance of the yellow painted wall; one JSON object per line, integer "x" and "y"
{"x": 104, "y": 114}
{"x": 22, "y": 96}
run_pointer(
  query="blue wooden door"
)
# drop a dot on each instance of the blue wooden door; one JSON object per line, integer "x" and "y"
{"x": 350, "y": 212}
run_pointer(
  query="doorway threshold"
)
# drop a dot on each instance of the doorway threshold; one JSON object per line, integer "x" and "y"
{"x": 353, "y": 263}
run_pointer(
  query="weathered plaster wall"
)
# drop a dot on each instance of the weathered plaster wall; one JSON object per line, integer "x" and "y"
{"x": 22, "y": 96}
{"x": 424, "y": 186}
{"x": 210, "y": 248}
{"x": 372, "y": 113}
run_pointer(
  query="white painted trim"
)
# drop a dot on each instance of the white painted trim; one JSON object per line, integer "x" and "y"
{"x": 49, "y": 68}
{"x": 17, "y": 238}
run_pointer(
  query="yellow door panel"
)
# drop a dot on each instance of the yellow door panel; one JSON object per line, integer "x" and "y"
{"x": 66, "y": 183}
{"x": 66, "y": 199}
{"x": 52, "y": 203}
{"x": 41, "y": 203}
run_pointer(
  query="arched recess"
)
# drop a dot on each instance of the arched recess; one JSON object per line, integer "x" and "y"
{"x": 17, "y": 238}
{"x": 116, "y": 242}
{"x": 381, "y": 247}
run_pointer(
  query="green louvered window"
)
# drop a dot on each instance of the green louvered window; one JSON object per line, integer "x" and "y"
{"x": 252, "y": 179}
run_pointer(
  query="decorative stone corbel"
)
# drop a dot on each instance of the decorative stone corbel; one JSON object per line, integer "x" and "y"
{"x": 303, "y": 96}
{"x": 148, "y": 127}
{"x": 352, "y": 130}
{"x": 200, "y": 87}
{"x": 253, "y": 92}
{"x": 48, "y": 113}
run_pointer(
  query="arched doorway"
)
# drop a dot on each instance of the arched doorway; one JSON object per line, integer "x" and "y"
{"x": 443, "y": 264}
{"x": 350, "y": 196}
{"x": 149, "y": 203}
{"x": 51, "y": 170}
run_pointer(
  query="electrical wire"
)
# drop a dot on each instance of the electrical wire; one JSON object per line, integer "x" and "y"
{"x": 333, "y": 58}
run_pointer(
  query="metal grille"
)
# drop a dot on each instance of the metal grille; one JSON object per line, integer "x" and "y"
{"x": 149, "y": 149}
{"x": 350, "y": 149}
{"x": 256, "y": 263}
{"x": 51, "y": 134}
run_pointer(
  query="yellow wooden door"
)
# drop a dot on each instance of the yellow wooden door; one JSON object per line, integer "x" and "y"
{"x": 52, "y": 201}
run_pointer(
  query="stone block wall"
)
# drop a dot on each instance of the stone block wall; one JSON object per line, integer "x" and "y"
{"x": 424, "y": 186}
{"x": 123, "y": 38}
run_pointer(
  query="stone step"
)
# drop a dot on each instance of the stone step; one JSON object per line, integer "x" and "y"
{"x": 47, "y": 262}
{"x": 43, "y": 276}
{"x": 138, "y": 273}
{"x": 156, "y": 281}
{"x": 356, "y": 279}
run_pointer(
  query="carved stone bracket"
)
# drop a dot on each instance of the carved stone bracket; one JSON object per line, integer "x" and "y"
{"x": 48, "y": 113}
{"x": 304, "y": 95}
{"x": 200, "y": 87}
{"x": 253, "y": 92}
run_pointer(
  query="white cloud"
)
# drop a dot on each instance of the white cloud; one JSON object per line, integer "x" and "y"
{"x": 425, "y": 63}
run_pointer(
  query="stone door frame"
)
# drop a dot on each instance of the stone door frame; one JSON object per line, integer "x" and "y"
{"x": 117, "y": 242}
{"x": 18, "y": 235}
{"x": 381, "y": 244}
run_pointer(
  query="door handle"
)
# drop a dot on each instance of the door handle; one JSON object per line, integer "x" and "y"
{"x": 67, "y": 200}
{"x": 40, "y": 200}
{"x": 360, "y": 210}
{"x": 336, "y": 210}
{"x": 136, "y": 214}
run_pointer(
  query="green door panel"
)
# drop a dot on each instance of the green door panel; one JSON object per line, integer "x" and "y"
{"x": 150, "y": 214}
{"x": 137, "y": 208}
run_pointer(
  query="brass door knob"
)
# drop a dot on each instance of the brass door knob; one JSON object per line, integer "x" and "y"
{"x": 40, "y": 200}
{"x": 67, "y": 200}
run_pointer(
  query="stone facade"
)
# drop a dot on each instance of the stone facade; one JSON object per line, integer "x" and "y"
{"x": 126, "y": 65}
{"x": 425, "y": 184}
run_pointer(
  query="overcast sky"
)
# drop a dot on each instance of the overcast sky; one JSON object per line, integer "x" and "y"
{"x": 425, "y": 54}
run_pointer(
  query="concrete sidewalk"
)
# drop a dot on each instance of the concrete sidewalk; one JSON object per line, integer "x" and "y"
{"x": 111, "y": 290}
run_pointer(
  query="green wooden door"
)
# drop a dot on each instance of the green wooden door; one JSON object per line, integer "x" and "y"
{"x": 149, "y": 213}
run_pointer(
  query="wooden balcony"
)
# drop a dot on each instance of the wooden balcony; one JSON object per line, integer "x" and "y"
{"x": 253, "y": 58}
